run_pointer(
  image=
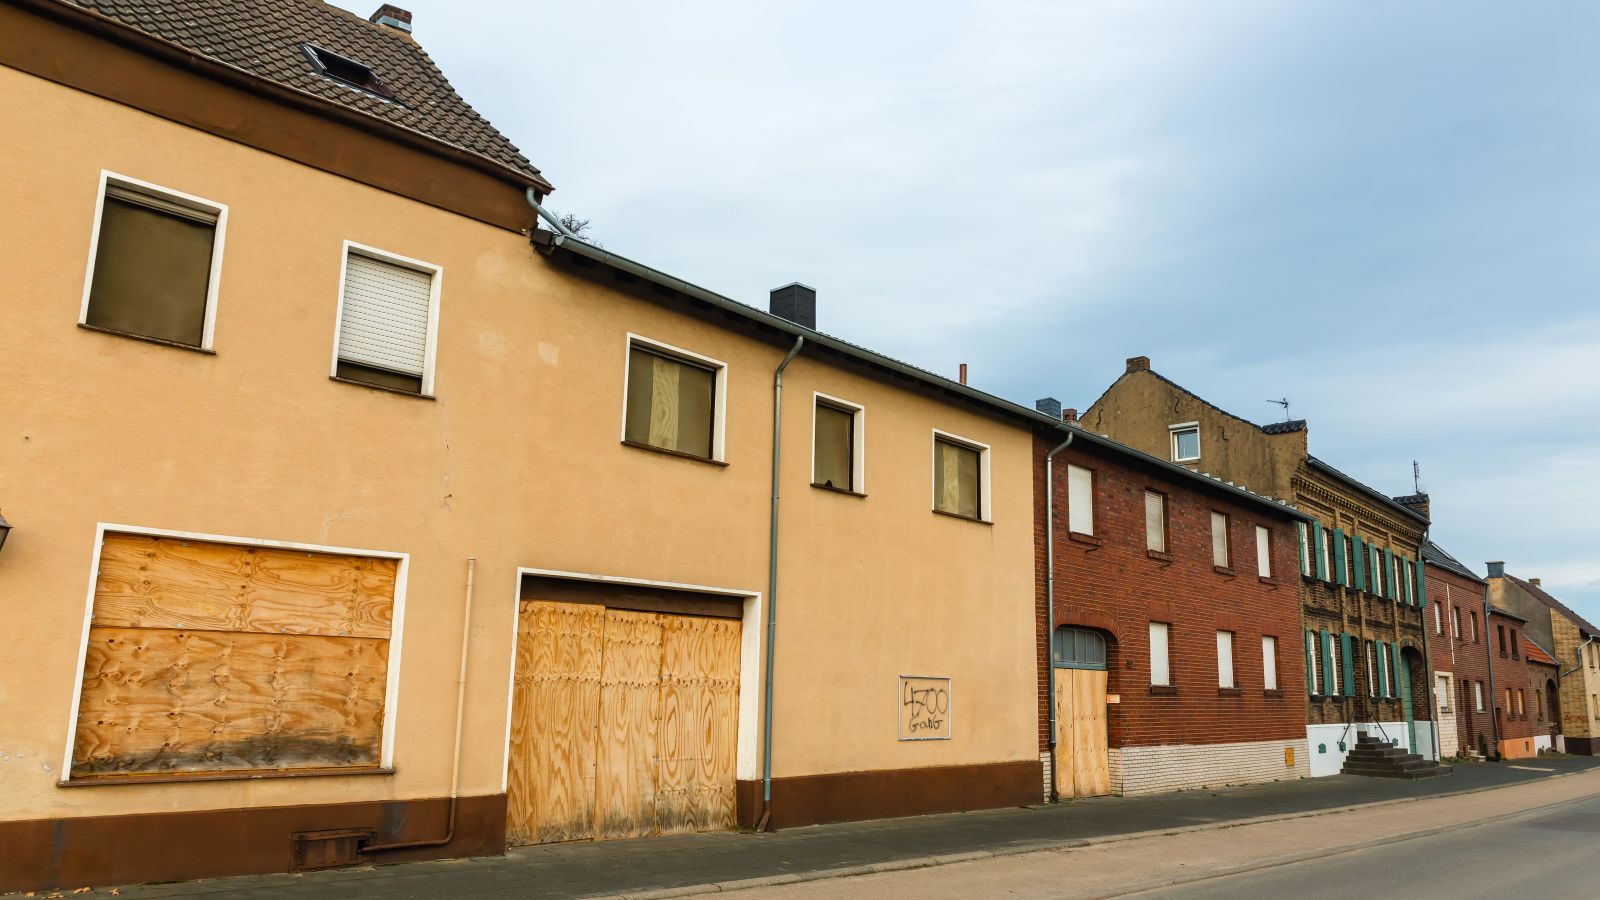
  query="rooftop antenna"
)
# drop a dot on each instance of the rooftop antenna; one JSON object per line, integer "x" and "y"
{"x": 1283, "y": 402}
{"x": 1416, "y": 477}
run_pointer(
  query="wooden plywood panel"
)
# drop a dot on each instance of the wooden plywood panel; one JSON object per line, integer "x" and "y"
{"x": 1081, "y": 759}
{"x": 165, "y": 582}
{"x": 163, "y": 700}
{"x": 554, "y": 720}
{"x": 630, "y": 699}
{"x": 699, "y": 724}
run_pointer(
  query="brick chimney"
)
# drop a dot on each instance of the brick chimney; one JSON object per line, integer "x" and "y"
{"x": 1535, "y": 582}
{"x": 1418, "y": 503}
{"x": 1138, "y": 363}
{"x": 393, "y": 18}
{"x": 1069, "y": 415}
{"x": 795, "y": 302}
{"x": 1497, "y": 569}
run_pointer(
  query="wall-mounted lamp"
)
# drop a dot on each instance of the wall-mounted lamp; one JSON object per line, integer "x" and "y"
{"x": 5, "y": 529}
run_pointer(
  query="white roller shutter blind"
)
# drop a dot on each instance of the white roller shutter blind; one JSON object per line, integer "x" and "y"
{"x": 1263, "y": 552}
{"x": 1225, "y": 659}
{"x": 1219, "y": 540}
{"x": 1160, "y": 673}
{"x": 384, "y": 323}
{"x": 1080, "y": 500}
{"x": 1155, "y": 522}
{"x": 1269, "y": 663}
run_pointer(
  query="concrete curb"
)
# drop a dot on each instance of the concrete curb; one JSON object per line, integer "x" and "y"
{"x": 901, "y": 865}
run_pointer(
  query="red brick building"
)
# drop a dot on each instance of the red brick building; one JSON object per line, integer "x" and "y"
{"x": 1521, "y": 669}
{"x": 1175, "y": 596}
{"x": 1459, "y": 655}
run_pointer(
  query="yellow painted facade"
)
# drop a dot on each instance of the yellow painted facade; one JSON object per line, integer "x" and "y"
{"x": 517, "y": 463}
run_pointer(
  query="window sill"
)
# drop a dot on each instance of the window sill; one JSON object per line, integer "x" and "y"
{"x": 1082, "y": 538}
{"x": 838, "y": 490}
{"x": 1272, "y": 694}
{"x": 1157, "y": 554}
{"x": 147, "y": 339}
{"x": 1163, "y": 690}
{"x": 678, "y": 453}
{"x": 1266, "y": 579}
{"x": 1229, "y": 692}
{"x": 250, "y": 775}
{"x": 382, "y": 387}
{"x": 1223, "y": 570}
{"x": 973, "y": 519}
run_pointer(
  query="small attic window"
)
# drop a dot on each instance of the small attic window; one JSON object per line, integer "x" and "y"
{"x": 349, "y": 71}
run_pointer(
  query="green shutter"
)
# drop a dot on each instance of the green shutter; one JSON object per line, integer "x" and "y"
{"x": 1300, "y": 532}
{"x": 1358, "y": 548}
{"x": 1317, "y": 551}
{"x": 1347, "y": 660}
{"x": 1422, "y": 584}
{"x": 1388, "y": 566}
{"x": 1311, "y": 666}
{"x": 1381, "y": 663}
{"x": 1327, "y": 660}
{"x": 1340, "y": 570}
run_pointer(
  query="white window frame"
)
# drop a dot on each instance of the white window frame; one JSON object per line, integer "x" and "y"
{"x": 1441, "y": 689}
{"x": 1308, "y": 565}
{"x": 1089, "y": 499}
{"x": 1455, "y": 622}
{"x": 435, "y": 283}
{"x": 1313, "y": 653}
{"x": 1372, "y": 669}
{"x": 719, "y": 403}
{"x": 1227, "y": 544}
{"x": 1477, "y": 696}
{"x": 1438, "y": 620}
{"x": 1174, "y": 430}
{"x": 1334, "y": 667}
{"x": 198, "y": 204}
{"x": 1166, "y": 654}
{"x": 391, "y": 691}
{"x": 985, "y": 487}
{"x": 1225, "y": 673}
{"x": 858, "y": 438}
{"x": 1269, "y": 662}
{"x": 1263, "y": 551}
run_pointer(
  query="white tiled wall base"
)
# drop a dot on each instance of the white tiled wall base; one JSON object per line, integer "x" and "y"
{"x": 1328, "y": 759}
{"x": 1049, "y": 761}
{"x": 1173, "y": 767}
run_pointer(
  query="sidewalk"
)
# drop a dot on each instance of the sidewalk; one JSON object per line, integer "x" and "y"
{"x": 648, "y": 864}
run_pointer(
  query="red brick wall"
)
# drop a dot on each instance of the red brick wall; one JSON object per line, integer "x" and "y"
{"x": 1461, "y": 657}
{"x": 1111, "y": 583}
{"x": 1516, "y": 673}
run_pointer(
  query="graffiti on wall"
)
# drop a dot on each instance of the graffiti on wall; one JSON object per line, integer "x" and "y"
{"x": 924, "y": 708}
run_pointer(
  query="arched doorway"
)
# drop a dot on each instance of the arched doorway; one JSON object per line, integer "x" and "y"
{"x": 1552, "y": 711}
{"x": 1078, "y": 660}
{"x": 1413, "y": 690}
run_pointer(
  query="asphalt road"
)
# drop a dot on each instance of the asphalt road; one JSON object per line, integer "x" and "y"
{"x": 1551, "y": 855}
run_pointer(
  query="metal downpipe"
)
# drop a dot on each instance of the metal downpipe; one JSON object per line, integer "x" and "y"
{"x": 772, "y": 583}
{"x": 1050, "y": 597}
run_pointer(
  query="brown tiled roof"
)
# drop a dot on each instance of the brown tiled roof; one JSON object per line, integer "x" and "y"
{"x": 266, "y": 38}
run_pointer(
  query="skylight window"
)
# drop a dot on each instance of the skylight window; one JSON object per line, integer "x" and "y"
{"x": 348, "y": 71}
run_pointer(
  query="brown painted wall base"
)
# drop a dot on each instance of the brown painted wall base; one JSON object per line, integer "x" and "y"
{"x": 851, "y": 796}
{"x": 105, "y": 850}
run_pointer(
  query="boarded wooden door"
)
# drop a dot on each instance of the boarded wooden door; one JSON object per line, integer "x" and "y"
{"x": 1081, "y": 764}
{"x": 623, "y": 723}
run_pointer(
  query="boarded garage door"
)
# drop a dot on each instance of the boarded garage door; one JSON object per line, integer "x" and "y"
{"x": 623, "y": 723}
{"x": 208, "y": 657}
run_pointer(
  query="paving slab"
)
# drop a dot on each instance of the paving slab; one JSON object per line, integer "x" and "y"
{"x": 656, "y": 866}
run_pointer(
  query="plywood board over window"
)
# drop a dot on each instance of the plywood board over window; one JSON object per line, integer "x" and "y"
{"x": 206, "y": 657}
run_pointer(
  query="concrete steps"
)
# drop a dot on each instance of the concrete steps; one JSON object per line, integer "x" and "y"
{"x": 1373, "y": 758}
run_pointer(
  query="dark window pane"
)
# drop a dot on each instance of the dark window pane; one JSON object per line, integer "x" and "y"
{"x": 670, "y": 404}
{"x": 151, "y": 270}
{"x": 834, "y": 447}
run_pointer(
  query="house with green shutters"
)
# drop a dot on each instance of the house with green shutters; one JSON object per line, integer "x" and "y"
{"x": 1362, "y": 589}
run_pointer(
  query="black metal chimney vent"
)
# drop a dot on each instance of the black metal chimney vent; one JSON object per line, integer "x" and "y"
{"x": 795, "y": 302}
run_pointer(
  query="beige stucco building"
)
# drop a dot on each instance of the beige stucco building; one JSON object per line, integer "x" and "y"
{"x": 393, "y": 528}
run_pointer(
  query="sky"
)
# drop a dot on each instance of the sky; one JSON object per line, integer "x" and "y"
{"x": 1388, "y": 214}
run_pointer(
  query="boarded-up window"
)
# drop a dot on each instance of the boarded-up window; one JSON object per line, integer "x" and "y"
{"x": 957, "y": 479}
{"x": 1219, "y": 540}
{"x": 383, "y": 323}
{"x": 1225, "y": 659}
{"x": 1269, "y": 663}
{"x": 1160, "y": 665}
{"x": 670, "y": 403}
{"x": 834, "y": 448}
{"x": 1155, "y": 522}
{"x": 1080, "y": 500}
{"x": 207, "y": 657}
{"x": 1263, "y": 552}
{"x": 152, "y": 266}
